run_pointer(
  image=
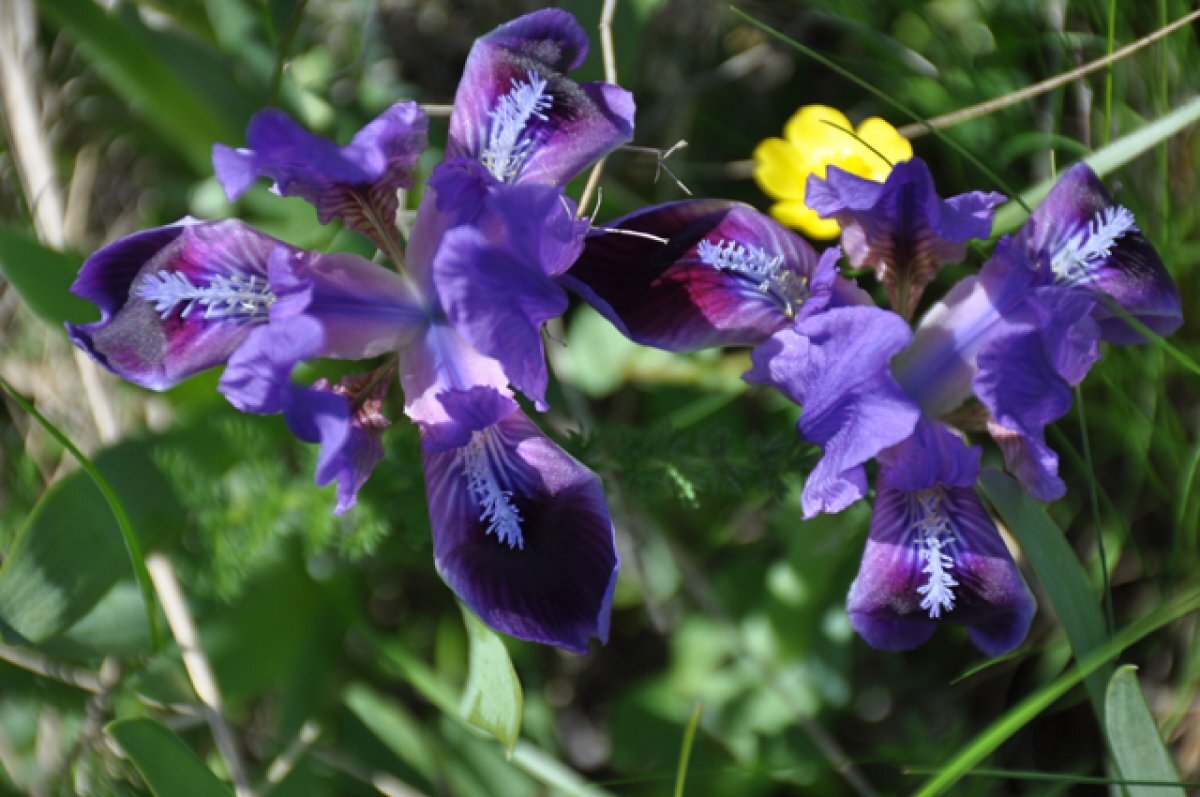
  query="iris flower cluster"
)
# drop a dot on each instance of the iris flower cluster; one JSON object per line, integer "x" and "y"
{"x": 521, "y": 530}
{"x": 1005, "y": 347}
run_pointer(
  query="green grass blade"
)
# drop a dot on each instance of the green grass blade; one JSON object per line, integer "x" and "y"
{"x": 132, "y": 546}
{"x": 1002, "y": 729}
{"x": 1134, "y": 738}
{"x": 1057, "y": 568}
{"x": 685, "y": 752}
{"x": 1104, "y": 161}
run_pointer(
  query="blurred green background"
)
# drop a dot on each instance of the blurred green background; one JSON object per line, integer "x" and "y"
{"x": 339, "y": 653}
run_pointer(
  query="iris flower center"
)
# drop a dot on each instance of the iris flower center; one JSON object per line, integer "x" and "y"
{"x": 507, "y": 145}
{"x": 755, "y": 263}
{"x": 236, "y": 296}
{"x": 481, "y": 460}
{"x": 933, "y": 535}
{"x": 1092, "y": 242}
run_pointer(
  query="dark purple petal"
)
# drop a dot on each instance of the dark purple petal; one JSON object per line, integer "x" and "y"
{"x": 450, "y": 389}
{"x": 835, "y": 365}
{"x": 699, "y": 273}
{"x": 1025, "y": 377}
{"x": 931, "y": 455}
{"x": 517, "y": 113}
{"x": 351, "y": 182}
{"x": 901, "y": 228}
{"x": 1079, "y": 237}
{"x": 934, "y": 555}
{"x": 522, "y": 534}
{"x": 175, "y": 300}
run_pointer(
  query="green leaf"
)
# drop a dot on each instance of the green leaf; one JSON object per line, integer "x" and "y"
{"x": 1104, "y": 161}
{"x": 1004, "y": 727}
{"x": 1134, "y": 738}
{"x": 131, "y": 66}
{"x": 1057, "y": 568}
{"x": 492, "y": 697}
{"x": 72, "y": 549}
{"x": 168, "y": 766}
{"x": 42, "y": 277}
{"x": 395, "y": 727}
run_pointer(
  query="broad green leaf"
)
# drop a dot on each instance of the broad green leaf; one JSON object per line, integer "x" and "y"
{"x": 1057, "y": 568}
{"x": 1004, "y": 727}
{"x": 42, "y": 277}
{"x": 1105, "y": 161}
{"x": 492, "y": 697}
{"x": 1134, "y": 739}
{"x": 131, "y": 66}
{"x": 168, "y": 766}
{"x": 72, "y": 551}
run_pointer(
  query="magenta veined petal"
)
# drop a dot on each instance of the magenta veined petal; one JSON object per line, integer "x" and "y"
{"x": 176, "y": 300}
{"x": 700, "y": 273}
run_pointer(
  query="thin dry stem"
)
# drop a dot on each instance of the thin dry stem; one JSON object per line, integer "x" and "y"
{"x": 179, "y": 619}
{"x": 609, "y": 56}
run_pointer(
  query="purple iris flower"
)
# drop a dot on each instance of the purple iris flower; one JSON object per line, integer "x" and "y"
{"x": 1027, "y": 329}
{"x": 901, "y": 228}
{"x": 521, "y": 530}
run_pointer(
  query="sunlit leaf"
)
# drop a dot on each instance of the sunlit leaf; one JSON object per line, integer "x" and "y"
{"x": 492, "y": 697}
{"x": 1134, "y": 738}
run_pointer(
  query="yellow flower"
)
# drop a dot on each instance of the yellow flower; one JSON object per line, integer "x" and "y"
{"x": 815, "y": 137}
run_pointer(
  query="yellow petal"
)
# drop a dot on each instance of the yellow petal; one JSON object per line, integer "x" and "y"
{"x": 814, "y": 130}
{"x": 890, "y": 144}
{"x": 800, "y": 216}
{"x": 779, "y": 169}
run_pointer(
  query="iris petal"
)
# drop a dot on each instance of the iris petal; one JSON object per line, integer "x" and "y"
{"x": 1080, "y": 236}
{"x": 901, "y": 228}
{"x": 174, "y": 300}
{"x": 351, "y": 182}
{"x": 522, "y": 534}
{"x": 835, "y": 364}
{"x": 689, "y": 275}
{"x": 933, "y": 554}
{"x": 516, "y": 112}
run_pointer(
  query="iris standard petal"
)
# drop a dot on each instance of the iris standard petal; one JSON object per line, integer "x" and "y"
{"x": 517, "y": 113}
{"x": 901, "y": 228}
{"x": 698, "y": 273}
{"x": 357, "y": 182}
{"x": 1080, "y": 237}
{"x": 934, "y": 555}
{"x": 522, "y": 534}
{"x": 1025, "y": 377}
{"x": 175, "y": 300}
{"x": 499, "y": 301}
{"x": 835, "y": 365}
{"x": 443, "y": 377}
